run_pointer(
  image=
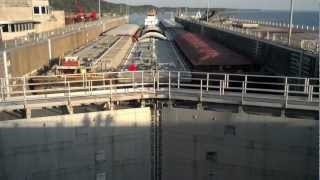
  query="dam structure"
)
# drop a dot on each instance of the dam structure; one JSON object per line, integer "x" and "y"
{"x": 108, "y": 100}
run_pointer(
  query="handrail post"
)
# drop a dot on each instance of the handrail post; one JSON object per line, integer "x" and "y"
{"x": 306, "y": 85}
{"x": 169, "y": 85}
{"x": 179, "y": 80}
{"x": 154, "y": 81}
{"x": 225, "y": 80}
{"x": 243, "y": 92}
{"x": 221, "y": 87}
{"x": 142, "y": 80}
{"x": 1, "y": 89}
{"x": 110, "y": 85}
{"x": 208, "y": 77}
{"x": 91, "y": 87}
{"x": 133, "y": 81}
{"x": 245, "y": 84}
{"x": 310, "y": 93}
{"x": 65, "y": 84}
{"x": 69, "y": 92}
{"x": 201, "y": 90}
{"x": 24, "y": 92}
{"x": 158, "y": 84}
{"x": 287, "y": 95}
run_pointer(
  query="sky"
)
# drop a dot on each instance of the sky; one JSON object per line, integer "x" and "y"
{"x": 238, "y": 4}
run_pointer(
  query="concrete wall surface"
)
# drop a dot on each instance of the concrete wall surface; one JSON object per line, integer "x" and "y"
{"x": 101, "y": 145}
{"x": 203, "y": 144}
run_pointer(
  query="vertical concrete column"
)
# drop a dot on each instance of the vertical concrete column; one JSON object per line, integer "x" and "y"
{"x": 49, "y": 49}
{"x": 28, "y": 113}
{"x": 6, "y": 74}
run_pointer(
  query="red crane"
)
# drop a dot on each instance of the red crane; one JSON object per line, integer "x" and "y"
{"x": 81, "y": 15}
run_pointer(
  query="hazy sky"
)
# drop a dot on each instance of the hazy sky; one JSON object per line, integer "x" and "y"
{"x": 243, "y": 4}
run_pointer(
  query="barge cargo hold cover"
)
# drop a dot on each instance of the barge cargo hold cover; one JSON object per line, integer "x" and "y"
{"x": 206, "y": 55}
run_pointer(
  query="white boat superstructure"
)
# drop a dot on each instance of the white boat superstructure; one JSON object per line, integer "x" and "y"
{"x": 151, "y": 19}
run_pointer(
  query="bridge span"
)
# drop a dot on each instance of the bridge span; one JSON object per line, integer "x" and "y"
{"x": 37, "y": 92}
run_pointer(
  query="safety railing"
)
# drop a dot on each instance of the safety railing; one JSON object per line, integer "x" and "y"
{"x": 278, "y": 24}
{"x": 170, "y": 84}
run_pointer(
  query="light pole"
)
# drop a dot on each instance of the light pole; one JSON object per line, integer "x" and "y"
{"x": 291, "y": 22}
{"x": 208, "y": 6}
{"x": 99, "y": 8}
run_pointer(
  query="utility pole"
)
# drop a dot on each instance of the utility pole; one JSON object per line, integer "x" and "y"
{"x": 291, "y": 22}
{"x": 99, "y": 8}
{"x": 208, "y": 6}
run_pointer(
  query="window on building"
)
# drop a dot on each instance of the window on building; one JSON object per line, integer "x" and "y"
{"x": 36, "y": 10}
{"x": 47, "y": 9}
{"x": 43, "y": 10}
{"x": 13, "y": 28}
{"x": 5, "y": 28}
{"x": 230, "y": 130}
{"x": 212, "y": 156}
{"x": 22, "y": 27}
{"x": 17, "y": 27}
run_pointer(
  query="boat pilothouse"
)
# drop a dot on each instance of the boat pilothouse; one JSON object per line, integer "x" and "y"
{"x": 151, "y": 19}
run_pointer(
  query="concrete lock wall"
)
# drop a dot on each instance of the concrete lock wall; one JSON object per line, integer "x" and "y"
{"x": 203, "y": 144}
{"x": 26, "y": 59}
{"x": 273, "y": 59}
{"x": 100, "y": 145}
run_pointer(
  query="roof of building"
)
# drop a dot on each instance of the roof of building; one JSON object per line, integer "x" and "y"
{"x": 124, "y": 30}
{"x": 19, "y": 22}
{"x": 201, "y": 51}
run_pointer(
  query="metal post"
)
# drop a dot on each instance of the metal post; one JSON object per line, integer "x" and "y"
{"x": 69, "y": 92}
{"x": 24, "y": 92}
{"x": 306, "y": 85}
{"x": 99, "y": 8}
{"x": 287, "y": 95}
{"x": 133, "y": 81}
{"x": 142, "y": 80}
{"x": 220, "y": 87}
{"x": 110, "y": 83}
{"x": 158, "y": 84}
{"x": 154, "y": 81}
{"x": 285, "y": 86}
{"x": 201, "y": 86}
{"x": 310, "y": 94}
{"x": 245, "y": 84}
{"x": 208, "y": 6}
{"x": 6, "y": 74}
{"x": 1, "y": 89}
{"x": 178, "y": 80}
{"x": 291, "y": 22}
{"x": 208, "y": 76}
{"x": 169, "y": 85}
{"x": 49, "y": 49}
{"x": 243, "y": 91}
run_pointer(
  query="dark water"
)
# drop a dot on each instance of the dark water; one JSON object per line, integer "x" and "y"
{"x": 299, "y": 18}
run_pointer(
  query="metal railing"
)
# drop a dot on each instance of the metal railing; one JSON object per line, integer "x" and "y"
{"x": 172, "y": 84}
{"x": 278, "y": 24}
{"x": 38, "y": 37}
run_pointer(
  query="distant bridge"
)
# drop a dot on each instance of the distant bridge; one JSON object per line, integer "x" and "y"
{"x": 37, "y": 92}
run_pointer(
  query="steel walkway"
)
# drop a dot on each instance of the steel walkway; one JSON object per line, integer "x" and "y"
{"x": 106, "y": 88}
